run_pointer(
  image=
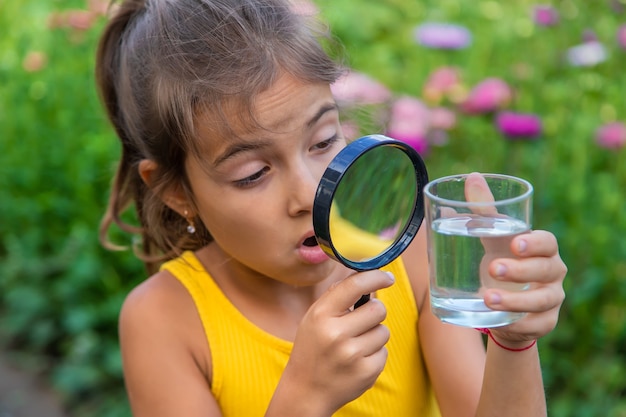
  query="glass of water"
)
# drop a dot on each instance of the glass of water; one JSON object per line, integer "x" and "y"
{"x": 471, "y": 220}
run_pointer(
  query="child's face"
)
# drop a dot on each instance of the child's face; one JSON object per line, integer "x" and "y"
{"x": 255, "y": 192}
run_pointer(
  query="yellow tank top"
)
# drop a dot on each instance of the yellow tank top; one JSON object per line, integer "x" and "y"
{"x": 248, "y": 362}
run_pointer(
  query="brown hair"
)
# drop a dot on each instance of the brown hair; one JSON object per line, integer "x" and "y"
{"x": 159, "y": 63}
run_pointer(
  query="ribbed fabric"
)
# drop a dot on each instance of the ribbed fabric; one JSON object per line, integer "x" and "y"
{"x": 248, "y": 362}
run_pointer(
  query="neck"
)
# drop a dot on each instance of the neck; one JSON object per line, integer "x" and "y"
{"x": 273, "y": 305}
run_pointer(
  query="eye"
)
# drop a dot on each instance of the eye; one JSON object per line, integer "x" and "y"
{"x": 325, "y": 144}
{"x": 251, "y": 180}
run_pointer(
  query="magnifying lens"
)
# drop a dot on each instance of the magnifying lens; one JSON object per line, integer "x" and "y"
{"x": 369, "y": 203}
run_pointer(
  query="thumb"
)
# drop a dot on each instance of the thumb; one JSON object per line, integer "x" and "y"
{"x": 477, "y": 191}
{"x": 346, "y": 293}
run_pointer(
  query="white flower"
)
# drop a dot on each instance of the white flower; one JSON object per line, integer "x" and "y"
{"x": 587, "y": 54}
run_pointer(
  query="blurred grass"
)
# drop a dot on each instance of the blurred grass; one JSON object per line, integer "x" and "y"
{"x": 60, "y": 292}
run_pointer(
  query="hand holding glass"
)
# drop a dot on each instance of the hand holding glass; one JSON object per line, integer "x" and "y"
{"x": 471, "y": 220}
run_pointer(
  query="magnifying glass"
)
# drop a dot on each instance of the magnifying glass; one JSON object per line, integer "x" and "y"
{"x": 369, "y": 203}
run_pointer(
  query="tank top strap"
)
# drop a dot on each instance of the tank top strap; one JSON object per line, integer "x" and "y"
{"x": 235, "y": 343}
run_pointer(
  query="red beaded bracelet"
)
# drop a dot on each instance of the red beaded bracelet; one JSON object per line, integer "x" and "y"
{"x": 488, "y": 333}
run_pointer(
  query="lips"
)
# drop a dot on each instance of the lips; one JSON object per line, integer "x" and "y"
{"x": 310, "y": 252}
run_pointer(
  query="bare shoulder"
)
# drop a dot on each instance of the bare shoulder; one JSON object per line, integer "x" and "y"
{"x": 164, "y": 351}
{"x": 156, "y": 299}
{"x": 156, "y": 308}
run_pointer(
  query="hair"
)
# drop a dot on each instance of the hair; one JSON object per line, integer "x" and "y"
{"x": 162, "y": 62}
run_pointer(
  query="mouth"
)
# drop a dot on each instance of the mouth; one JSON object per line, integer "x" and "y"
{"x": 311, "y": 252}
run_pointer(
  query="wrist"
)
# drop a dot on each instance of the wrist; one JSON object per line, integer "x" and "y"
{"x": 294, "y": 397}
{"x": 509, "y": 346}
{"x": 285, "y": 404}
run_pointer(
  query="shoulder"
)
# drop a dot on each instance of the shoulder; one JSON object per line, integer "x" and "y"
{"x": 163, "y": 347}
{"x": 155, "y": 309}
{"x": 155, "y": 305}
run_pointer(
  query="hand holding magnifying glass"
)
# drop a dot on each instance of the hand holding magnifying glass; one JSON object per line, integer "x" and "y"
{"x": 369, "y": 204}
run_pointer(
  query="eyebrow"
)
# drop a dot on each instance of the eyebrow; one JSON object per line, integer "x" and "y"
{"x": 323, "y": 110}
{"x": 237, "y": 148}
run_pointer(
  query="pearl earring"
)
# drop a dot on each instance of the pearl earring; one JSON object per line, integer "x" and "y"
{"x": 191, "y": 228}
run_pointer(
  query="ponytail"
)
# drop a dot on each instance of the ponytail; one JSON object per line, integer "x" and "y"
{"x": 127, "y": 185}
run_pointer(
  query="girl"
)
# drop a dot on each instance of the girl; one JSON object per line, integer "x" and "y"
{"x": 227, "y": 122}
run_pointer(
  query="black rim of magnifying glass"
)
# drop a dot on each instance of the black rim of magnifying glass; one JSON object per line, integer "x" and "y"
{"x": 328, "y": 186}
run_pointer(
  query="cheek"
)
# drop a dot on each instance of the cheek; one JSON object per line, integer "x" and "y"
{"x": 247, "y": 233}
{"x": 239, "y": 219}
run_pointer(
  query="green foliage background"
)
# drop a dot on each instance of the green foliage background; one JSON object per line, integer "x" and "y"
{"x": 60, "y": 292}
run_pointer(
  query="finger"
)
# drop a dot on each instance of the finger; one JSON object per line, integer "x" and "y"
{"x": 366, "y": 317}
{"x": 477, "y": 191}
{"x": 539, "y": 300}
{"x": 369, "y": 342}
{"x": 535, "y": 269}
{"x": 535, "y": 243}
{"x": 531, "y": 326}
{"x": 374, "y": 364}
{"x": 346, "y": 293}
{"x": 447, "y": 212}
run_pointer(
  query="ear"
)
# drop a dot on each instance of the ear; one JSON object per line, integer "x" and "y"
{"x": 146, "y": 169}
{"x": 174, "y": 197}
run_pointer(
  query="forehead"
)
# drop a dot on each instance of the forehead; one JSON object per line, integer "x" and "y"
{"x": 287, "y": 105}
{"x": 288, "y": 101}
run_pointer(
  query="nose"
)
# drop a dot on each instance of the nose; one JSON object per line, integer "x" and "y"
{"x": 301, "y": 187}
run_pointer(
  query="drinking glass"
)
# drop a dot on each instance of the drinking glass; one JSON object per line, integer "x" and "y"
{"x": 471, "y": 220}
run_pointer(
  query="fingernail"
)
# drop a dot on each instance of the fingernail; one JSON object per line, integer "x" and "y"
{"x": 495, "y": 298}
{"x": 393, "y": 279}
{"x": 500, "y": 270}
{"x": 521, "y": 245}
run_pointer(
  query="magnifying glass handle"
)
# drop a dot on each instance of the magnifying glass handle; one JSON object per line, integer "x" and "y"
{"x": 364, "y": 299}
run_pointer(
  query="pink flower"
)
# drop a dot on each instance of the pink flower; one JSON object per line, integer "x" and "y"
{"x": 419, "y": 143}
{"x": 544, "y": 15}
{"x": 489, "y": 95}
{"x": 621, "y": 36}
{"x": 99, "y": 7}
{"x": 34, "y": 61}
{"x": 443, "y": 36}
{"x": 519, "y": 125}
{"x": 409, "y": 122}
{"x": 611, "y": 135}
{"x": 442, "y": 118}
{"x": 79, "y": 20}
{"x": 443, "y": 82}
{"x": 357, "y": 88}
